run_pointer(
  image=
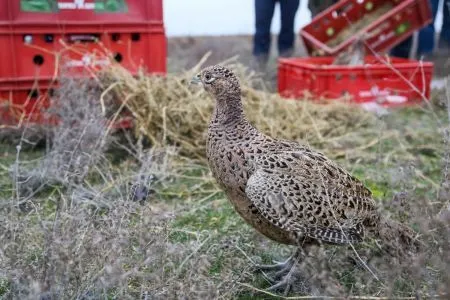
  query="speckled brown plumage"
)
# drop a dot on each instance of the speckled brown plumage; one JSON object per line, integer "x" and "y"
{"x": 286, "y": 191}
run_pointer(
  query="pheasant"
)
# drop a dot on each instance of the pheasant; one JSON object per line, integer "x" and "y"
{"x": 286, "y": 191}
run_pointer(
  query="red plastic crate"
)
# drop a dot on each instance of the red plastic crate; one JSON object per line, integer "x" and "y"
{"x": 384, "y": 33}
{"x": 4, "y": 13}
{"x": 26, "y": 102}
{"x": 63, "y": 12}
{"x": 29, "y": 68}
{"x": 33, "y": 53}
{"x": 400, "y": 82}
{"x": 76, "y": 36}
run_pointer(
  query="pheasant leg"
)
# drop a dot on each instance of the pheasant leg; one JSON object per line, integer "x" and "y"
{"x": 290, "y": 274}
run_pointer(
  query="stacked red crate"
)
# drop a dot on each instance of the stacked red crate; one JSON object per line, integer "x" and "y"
{"x": 39, "y": 39}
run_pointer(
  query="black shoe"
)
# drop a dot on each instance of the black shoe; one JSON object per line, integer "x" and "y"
{"x": 259, "y": 62}
{"x": 286, "y": 53}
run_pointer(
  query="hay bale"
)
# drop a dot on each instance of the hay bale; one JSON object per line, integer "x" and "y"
{"x": 169, "y": 112}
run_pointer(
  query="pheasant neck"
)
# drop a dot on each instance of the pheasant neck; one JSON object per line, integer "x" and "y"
{"x": 228, "y": 110}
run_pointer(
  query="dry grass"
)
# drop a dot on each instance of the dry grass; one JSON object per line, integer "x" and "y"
{"x": 167, "y": 111}
{"x": 79, "y": 237}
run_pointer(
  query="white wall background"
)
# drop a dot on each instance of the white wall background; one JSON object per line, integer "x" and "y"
{"x": 219, "y": 17}
{"x": 224, "y": 17}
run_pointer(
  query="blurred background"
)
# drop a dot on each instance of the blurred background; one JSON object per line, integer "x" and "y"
{"x": 180, "y": 20}
{"x": 196, "y": 27}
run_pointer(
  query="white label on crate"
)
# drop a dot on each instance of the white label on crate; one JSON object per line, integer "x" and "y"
{"x": 373, "y": 92}
{"x": 76, "y": 4}
{"x": 382, "y": 38}
{"x": 87, "y": 60}
{"x": 396, "y": 99}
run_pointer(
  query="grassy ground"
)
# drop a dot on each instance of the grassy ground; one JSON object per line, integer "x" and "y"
{"x": 202, "y": 248}
{"x": 80, "y": 237}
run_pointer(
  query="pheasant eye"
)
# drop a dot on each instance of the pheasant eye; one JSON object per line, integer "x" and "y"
{"x": 209, "y": 78}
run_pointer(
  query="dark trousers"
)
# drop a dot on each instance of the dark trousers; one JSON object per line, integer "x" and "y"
{"x": 445, "y": 31}
{"x": 426, "y": 37}
{"x": 264, "y": 10}
{"x": 317, "y": 6}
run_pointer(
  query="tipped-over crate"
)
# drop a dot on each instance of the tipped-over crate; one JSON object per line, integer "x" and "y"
{"x": 386, "y": 23}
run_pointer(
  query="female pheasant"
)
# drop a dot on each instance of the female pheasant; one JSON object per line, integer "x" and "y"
{"x": 286, "y": 191}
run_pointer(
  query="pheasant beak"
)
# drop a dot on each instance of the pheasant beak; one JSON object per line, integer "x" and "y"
{"x": 196, "y": 79}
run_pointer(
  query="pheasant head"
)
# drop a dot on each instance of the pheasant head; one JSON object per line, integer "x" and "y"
{"x": 224, "y": 86}
{"x": 218, "y": 81}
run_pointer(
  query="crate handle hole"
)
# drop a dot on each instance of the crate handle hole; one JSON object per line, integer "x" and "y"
{"x": 33, "y": 94}
{"x": 49, "y": 38}
{"x": 338, "y": 77}
{"x": 115, "y": 37}
{"x": 344, "y": 9}
{"x": 135, "y": 37}
{"x": 38, "y": 60}
{"x": 118, "y": 57}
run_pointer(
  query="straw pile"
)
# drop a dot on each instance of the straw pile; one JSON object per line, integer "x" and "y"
{"x": 168, "y": 111}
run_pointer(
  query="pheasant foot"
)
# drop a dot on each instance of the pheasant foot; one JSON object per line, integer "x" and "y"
{"x": 280, "y": 266}
{"x": 288, "y": 282}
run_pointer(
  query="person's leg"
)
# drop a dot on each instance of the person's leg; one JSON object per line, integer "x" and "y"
{"x": 445, "y": 31}
{"x": 286, "y": 38}
{"x": 402, "y": 49}
{"x": 263, "y": 19}
{"x": 317, "y": 6}
{"x": 314, "y": 6}
{"x": 426, "y": 39}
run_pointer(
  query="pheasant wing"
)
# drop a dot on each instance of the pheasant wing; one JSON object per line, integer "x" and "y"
{"x": 307, "y": 194}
